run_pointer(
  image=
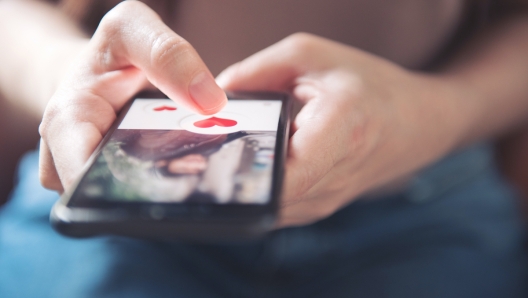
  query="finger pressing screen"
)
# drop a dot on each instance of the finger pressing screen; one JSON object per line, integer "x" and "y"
{"x": 133, "y": 35}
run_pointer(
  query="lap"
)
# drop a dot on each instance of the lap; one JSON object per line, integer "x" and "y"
{"x": 454, "y": 233}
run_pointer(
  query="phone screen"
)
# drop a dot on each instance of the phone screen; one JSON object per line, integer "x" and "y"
{"x": 162, "y": 152}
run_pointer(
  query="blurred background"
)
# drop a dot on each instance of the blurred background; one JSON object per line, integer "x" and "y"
{"x": 18, "y": 134}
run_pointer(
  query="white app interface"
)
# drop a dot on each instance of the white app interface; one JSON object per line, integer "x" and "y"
{"x": 247, "y": 115}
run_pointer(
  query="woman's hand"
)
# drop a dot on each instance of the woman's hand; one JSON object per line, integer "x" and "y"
{"x": 131, "y": 49}
{"x": 365, "y": 121}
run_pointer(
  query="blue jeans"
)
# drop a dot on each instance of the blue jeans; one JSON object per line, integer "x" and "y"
{"x": 454, "y": 232}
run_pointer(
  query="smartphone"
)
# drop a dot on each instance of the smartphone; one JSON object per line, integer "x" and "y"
{"x": 166, "y": 172}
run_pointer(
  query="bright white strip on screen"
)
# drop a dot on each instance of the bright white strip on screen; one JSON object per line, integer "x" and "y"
{"x": 164, "y": 114}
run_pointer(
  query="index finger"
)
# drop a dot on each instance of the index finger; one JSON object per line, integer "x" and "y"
{"x": 130, "y": 44}
{"x": 133, "y": 35}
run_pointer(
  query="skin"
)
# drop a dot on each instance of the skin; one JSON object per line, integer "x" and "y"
{"x": 130, "y": 49}
{"x": 365, "y": 121}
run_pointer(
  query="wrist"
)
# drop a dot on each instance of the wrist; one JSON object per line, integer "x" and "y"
{"x": 449, "y": 111}
{"x": 483, "y": 112}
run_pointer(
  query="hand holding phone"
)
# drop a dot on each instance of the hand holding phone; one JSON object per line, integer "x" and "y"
{"x": 163, "y": 171}
{"x": 113, "y": 66}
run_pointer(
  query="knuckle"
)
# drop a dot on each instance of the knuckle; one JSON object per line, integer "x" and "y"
{"x": 112, "y": 22}
{"x": 108, "y": 33}
{"x": 121, "y": 13}
{"x": 167, "y": 47}
{"x": 300, "y": 44}
{"x": 352, "y": 85}
{"x": 45, "y": 124}
{"x": 300, "y": 39}
{"x": 52, "y": 115}
{"x": 49, "y": 180}
{"x": 119, "y": 17}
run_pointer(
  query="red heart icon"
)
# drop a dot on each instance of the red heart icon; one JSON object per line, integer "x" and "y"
{"x": 164, "y": 108}
{"x": 210, "y": 122}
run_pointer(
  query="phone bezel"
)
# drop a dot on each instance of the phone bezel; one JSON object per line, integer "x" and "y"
{"x": 75, "y": 201}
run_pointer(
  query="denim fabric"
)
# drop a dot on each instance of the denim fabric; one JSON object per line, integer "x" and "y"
{"x": 454, "y": 232}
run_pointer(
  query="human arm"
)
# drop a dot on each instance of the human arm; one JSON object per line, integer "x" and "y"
{"x": 367, "y": 122}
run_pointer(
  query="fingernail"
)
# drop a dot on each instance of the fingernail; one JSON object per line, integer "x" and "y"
{"x": 206, "y": 93}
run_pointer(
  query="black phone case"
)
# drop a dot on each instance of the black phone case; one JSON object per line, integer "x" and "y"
{"x": 198, "y": 223}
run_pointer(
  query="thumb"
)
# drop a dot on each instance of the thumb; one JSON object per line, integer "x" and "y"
{"x": 275, "y": 68}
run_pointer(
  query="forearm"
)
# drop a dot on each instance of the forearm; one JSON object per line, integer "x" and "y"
{"x": 491, "y": 79}
{"x": 38, "y": 43}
